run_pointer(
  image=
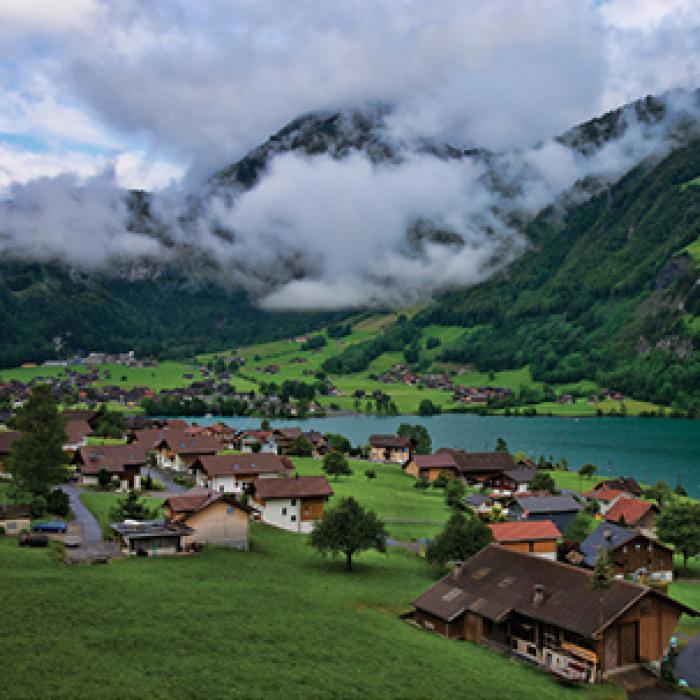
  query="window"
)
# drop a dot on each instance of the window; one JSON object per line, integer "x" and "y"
{"x": 650, "y": 547}
{"x": 11, "y": 526}
{"x": 637, "y": 546}
{"x": 221, "y": 489}
{"x": 294, "y": 501}
{"x": 294, "y": 518}
{"x": 531, "y": 546}
{"x": 284, "y": 511}
{"x": 624, "y": 549}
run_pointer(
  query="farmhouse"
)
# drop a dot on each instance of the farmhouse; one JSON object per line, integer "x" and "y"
{"x": 605, "y": 497}
{"x": 510, "y": 481}
{"x": 622, "y": 483}
{"x": 15, "y": 518}
{"x": 561, "y": 510}
{"x": 293, "y": 504}
{"x": 389, "y": 448}
{"x": 633, "y": 512}
{"x": 151, "y": 538}
{"x": 234, "y": 473}
{"x": 538, "y": 538}
{"x": 177, "y": 450}
{"x": 7, "y": 437}
{"x": 77, "y": 431}
{"x": 123, "y": 463}
{"x": 632, "y": 553}
{"x": 432, "y": 466}
{"x": 547, "y": 613}
{"x": 256, "y": 441}
{"x": 214, "y": 517}
{"x": 476, "y": 467}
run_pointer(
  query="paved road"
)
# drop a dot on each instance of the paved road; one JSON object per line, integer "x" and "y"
{"x": 90, "y": 528}
{"x": 687, "y": 663}
{"x": 171, "y": 487}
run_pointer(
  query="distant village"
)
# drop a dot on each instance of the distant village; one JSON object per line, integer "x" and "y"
{"x": 528, "y": 593}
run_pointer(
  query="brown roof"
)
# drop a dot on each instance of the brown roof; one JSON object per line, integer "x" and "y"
{"x": 114, "y": 458}
{"x": 294, "y": 487}
{"x": 480, "y": 461}
{"x": 389, "y": 441}
{"x": 243, "y": 464}
{"x": 182, "y": 443}
{"x": 7, "y": 437}
{"x": 524, "y": 531}
{"x": 76, "y": 430}
{"x": 198, "y": 499}
{"x": 497, "y": 581}
{"x": 440, "y": 460}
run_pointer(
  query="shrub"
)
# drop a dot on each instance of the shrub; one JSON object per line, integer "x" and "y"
{"x": 432, "y": 342}
{"x": 440, "y": 482}
{"x": 38, "y": 506}
{"x": 371, "y": 473}
{"x": 58, "y": 503}
{"x": 422, "y": 483}
{"x": 2, "y": 530}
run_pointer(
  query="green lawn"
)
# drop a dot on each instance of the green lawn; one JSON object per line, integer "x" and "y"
{"x": 570, "y": 480}
{"x": 278, "y": 621}
{"x": 409, "y": 513}
{"x": 100, "y": 504}
{"x": 688, "y": 593}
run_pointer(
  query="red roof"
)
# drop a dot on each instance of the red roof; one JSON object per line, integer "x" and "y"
{"x": 524, "y": 531}
{"x": 631, "y": 510}
{"x": 604, "y": 494}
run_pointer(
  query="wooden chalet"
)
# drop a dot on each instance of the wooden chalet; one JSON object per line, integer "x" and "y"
{"x": 510, "y": 481}
{"x": 477, "y": 467}
{"x": 122, "y": 463}
{"x": 538, "y": 538}
{"x": 433, "y": 466}
{"x": 235, "y": 473}
{"x": 547, "y": 613}
{"x": 633, "y": 512}
{"x": 392, "y": 449}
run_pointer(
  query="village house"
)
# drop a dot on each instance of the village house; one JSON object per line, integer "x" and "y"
{"x": 293, "y": 504}
{"x": 178, "y": 450}
{"x": 433, "y": 466}
{"x": 77, "y": 432}
{"x": 284, "y": 439}
{"x": 153, "y": 538}
{"x": 476, "y": 467}
{"x": 633, "y": 512}
{"x": 214, "y": 517}
{"x": 547, "y": 613}
{"x": 7, "y": 437}
{"x": 389, "y": 449}
{"x": 15, "y": 518}
{"x": 485, "y": 506}
{"x": 122, "y": 463}
{"x": 561, "y": 510}
{"x": 623, "y": 483}
{"x": 632, "y": 552}
{"x": 257, "y": 441}
{"x": 235, "y": 473}
{"x": 510, "y": 482}
{"x": 538, "y": 537}
{"x": 605, "y": 497}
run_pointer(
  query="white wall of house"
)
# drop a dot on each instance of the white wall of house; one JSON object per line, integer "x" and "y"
{"x": 285, "y": 513}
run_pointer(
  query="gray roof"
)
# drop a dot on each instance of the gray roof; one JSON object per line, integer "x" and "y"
{"x": 608, "y": 536}
{"x": 476, "y": 499}
{"x": 548, "y": 504}
{"x": 521, "y": 476}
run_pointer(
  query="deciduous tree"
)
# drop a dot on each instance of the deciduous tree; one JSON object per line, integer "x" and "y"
{"x": 464, "y": 535}
{"x": 679, "y": 525}
{"x": 335, "y": 464}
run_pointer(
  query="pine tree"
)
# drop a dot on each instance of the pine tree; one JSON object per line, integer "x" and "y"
{"x": 37, "y": 461}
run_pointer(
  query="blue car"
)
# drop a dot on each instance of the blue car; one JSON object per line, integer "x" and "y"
{"x": 52, "y": 526}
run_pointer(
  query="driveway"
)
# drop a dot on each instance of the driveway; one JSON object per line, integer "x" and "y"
{"x": 171, "y": 488}
{"x": 687, "y": 663}
{"x": 90, "y": 528}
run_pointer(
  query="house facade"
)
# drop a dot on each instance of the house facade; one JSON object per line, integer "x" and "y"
{"x": 178, "y": 451}
{"x": 236, "y": 473}
{"x": 477, "y": 467}
{"x": 391, "y": 449}
{"x": 538, "y": 538}
{"x": 122, "y": 463}
{"x": 15, "y": 519}
{"x": 510, "y": 481}
{"x": 432, "y": 466}
{"x": 293, "y": 504}
{"x": 548, "y": 613}
{"x": 152, "y": 538}
{"x": 633, "y": 512}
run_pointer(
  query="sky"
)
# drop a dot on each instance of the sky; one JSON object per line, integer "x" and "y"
{"x": 157, "y": 95}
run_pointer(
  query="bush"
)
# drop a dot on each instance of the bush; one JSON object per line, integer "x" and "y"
{"x": 182, "y": 480}
{"x": 371, "y": 473}
{"x": 440, "y": 482}
{"x": 432, "y": 342}
{"x": 422, "y": 483}
{"x": 2, "y": 530}
{"x": 428, "y": 408}
{"x": 38, "y": 506}
{"x": 58, "y": 503}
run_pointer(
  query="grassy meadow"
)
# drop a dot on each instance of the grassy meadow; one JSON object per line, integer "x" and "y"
{"x": 278, "y": 621}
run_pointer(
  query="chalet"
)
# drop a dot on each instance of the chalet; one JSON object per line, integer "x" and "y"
{"x": 390, "y": 449}
{"x": 632, "y": 552}
{"x": 284, "y": 439}
{"x": 476, "y": 467}
{"x": 538, "y": 537}
{"x": 622, "y": 483}
{"x": 547, "y": 613}
{"x": 15, "y": 518}
{"x": 561, "y": 510}
{"x": 123, "y": 463}
{"x": 256, "y": 441}
{"x": 633, "y": 512}
{"x": 177, "y": 450}
{"x": 214, "y": 517}
{"x": 433, "y": 466}
{"x": 235, "y": 473}
{"x": 605, "y": 497}
{"x": 293, "y": 504}
{"x": 77, "y": 432}
{"x": 7, "y": 437}
{"x": 484, "y": 506}
{"x": 92, "y": 418}
{"x": 152, "y": 538}
{"x": 510, "y": 482}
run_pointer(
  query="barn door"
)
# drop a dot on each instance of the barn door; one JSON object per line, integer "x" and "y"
{"x": 628, "y": 643}
{"x": 612, "y": 649}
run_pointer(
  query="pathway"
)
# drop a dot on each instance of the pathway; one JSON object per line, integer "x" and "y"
{"x": 687, "y": 663}
{"x": 91, "y": 532}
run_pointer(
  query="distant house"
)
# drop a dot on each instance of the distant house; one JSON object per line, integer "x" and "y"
{"x": 77, "y": 431}
{"x": 476, "y": 467}
{"x": 177, "y": 450}
{"x": 390, "y": 449}
{"x": 538, "y": 537}
{"x": 548, "y": 613}
{"x": 484, "y": 505}
{"x": 561, "y": 510}
{"x": 605, "y": 497}
{"x": 622, "y": 483}
{"x": 632, "y": 552}
{"x": 235, "y": 473}
{"x": 432, "y": 466}
{"x": 123, "y": 463}
{"x": 284, "y": 439}
{"x": 510, "y": 482}
{"x": 151, "y": 538}
{"x": 15, "y": 518}
{"x": 293, "y": 504}
{"x": 257, "y": 441}
{"x": 633, "y": 512}
{"x": 7, "y": 437}
{"x": 215, "y": 518}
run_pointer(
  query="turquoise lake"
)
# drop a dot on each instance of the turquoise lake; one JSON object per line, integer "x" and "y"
{"x": 647, "y": 448}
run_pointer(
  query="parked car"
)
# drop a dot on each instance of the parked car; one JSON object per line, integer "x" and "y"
{"x": 28, "y": 540}
{"x": 54, "y": 526}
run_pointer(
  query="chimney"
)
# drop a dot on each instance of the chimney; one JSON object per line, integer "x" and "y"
{"x": 537, "y": 594}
